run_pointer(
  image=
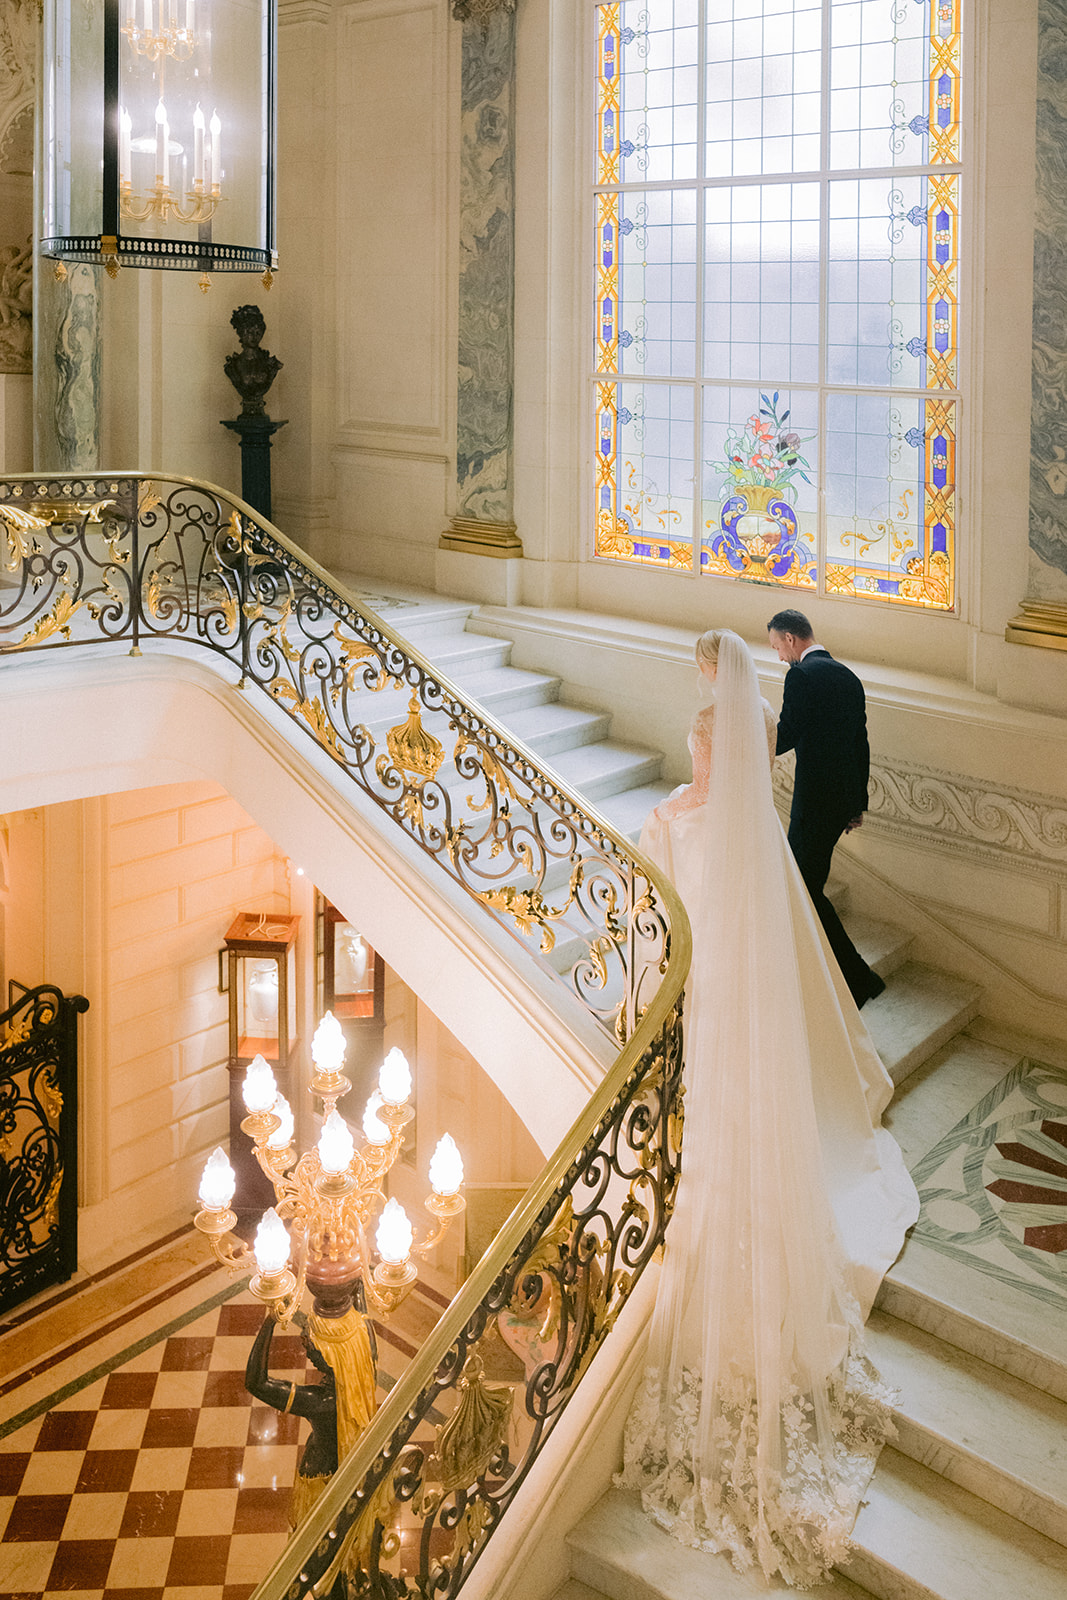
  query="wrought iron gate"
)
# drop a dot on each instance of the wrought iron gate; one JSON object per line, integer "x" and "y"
{"x": 38, "y": 1140}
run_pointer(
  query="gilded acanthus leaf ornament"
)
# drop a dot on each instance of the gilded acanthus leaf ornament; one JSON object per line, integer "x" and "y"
{"x": 473, "y": 1434}
{"x": 313, "y": 713}
{"x": 56, "y": 621}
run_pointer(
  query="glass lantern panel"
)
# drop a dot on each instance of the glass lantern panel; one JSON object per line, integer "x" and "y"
{"x": 73, "y": 117}
{"x": 194, "y": 119}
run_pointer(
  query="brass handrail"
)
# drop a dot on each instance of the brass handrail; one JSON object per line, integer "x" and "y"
{"x": 122, "y": 557}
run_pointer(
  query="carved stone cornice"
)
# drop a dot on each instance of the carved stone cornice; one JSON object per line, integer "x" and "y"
{"x": 294, "y": 13}
{"x": 921, "y": 805}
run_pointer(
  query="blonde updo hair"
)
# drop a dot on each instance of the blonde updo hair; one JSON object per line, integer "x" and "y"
{"x": 708, "y": 647}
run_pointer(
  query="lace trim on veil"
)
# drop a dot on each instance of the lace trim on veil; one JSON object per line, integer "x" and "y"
{"x": 795, "y": 1522}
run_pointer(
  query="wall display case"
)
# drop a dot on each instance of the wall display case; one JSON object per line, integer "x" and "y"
{"x": 257, "y": 974}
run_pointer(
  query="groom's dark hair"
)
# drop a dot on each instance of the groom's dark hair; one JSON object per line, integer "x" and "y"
{"x": 794, "y": 622}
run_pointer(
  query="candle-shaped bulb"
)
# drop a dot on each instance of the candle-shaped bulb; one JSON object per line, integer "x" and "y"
{"x": 328, "y": 1045}
{"x": 271, "y": 1247}
{"x": 281, "y": 1137}
{"x": 218, "y": 1183}
{"x": 335, "y": 1145}
{"x": 446, "y": 1167}
{"x": 260, "y": 1090}
{"x": 394, "y": 1234}
{"x": 198, "y": 144}
{"x": 394, "y": 1079}
{"x": 375, "y": 1131}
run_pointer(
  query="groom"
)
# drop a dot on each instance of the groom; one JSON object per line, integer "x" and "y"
{"x": 824, "y": 719}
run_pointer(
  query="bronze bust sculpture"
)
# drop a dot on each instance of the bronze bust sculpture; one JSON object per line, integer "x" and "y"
{"x": 250, "y": 369}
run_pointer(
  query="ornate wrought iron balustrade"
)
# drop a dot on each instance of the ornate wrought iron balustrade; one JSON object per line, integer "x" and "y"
{"x": 38, "y": 1141}
{"x": 127, "y": 559}
{"x": 124, "y": 560}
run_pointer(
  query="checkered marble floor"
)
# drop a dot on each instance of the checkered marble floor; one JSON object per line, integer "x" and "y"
{"x": 150, "y": 1473}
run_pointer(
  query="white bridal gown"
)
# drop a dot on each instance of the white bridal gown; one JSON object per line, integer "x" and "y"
{"x": 759, "y": 1419}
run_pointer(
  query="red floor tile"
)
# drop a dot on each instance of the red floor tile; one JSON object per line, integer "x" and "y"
{"x": 151, "y": 1513}
{"x": 37, "y": 1517}
{"x": 270, "y": 1427}
{"x": 215, "y": 1467}
{"x": 81, "y": 1564}
{"x": 261, "y": 1511}
{"x": 170, "y": 1428}
{"x": 239, "y": 1319}
{"x": 104, "y": 1471}
{"x": 128, "y": 1391}
{"x": 65, "y": 1430}
{"x": 226, "y": 1389}
{"x": 186, "y": 1355}
{"x": 198, "y": 1561}
{"x": 13, "y": 1466}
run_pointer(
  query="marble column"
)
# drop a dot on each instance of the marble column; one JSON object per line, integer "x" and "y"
{"x": 484, "y": 521}
{"x": 1043, "y": 614}
{"x": 66, "y": 369}
{"x": 19, "y": 26}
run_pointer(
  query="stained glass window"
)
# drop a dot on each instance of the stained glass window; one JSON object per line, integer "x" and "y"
{"x": 777, "y": 266}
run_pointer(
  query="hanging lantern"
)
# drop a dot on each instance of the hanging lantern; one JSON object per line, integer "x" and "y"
{"x": 159, "y": 125}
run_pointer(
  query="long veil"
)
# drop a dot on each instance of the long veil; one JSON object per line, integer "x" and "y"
{"x": 759, "y": 1420}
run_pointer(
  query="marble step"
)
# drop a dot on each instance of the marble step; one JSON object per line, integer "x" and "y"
{"x": 553, "y": 727}
{"x": 459, "y": 654}
{"x": 980, "y": 1428}
{"x": 618, "y": 1551}
{"x": 508, "y": 689}
{"x": 994, "y": 1321}
{"x": 885, "y": 946}
{"x": 918, "y": 1536}
{"x": 920, "y": 1010}
{"x": 627, "y": 811}
{"x": 573, "y": 1590}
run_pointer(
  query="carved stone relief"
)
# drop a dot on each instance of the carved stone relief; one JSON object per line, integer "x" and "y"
{"x": 917, "y": 802}
{"x": 19, "y": 24}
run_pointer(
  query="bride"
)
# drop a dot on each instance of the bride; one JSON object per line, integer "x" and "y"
{"x": 759, "y": 1419}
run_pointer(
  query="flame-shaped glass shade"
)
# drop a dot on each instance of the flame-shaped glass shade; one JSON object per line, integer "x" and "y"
{"x": 271, "y": 1248}
{"x": 446, "y": 1167}
{"x": 218, "y": 1183}
{"x": 260, "y": 1090}
{"x": 328, "y": 1045}
{"x": 335, "y": 1145}
{"x": 375, "y": 1131}
{"x": 394, "y": 1234}
{"x": 394, "y": 1080}
{"x": 282, "y": 1136}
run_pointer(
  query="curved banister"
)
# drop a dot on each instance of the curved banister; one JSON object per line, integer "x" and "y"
{"x": 123, "y": 557}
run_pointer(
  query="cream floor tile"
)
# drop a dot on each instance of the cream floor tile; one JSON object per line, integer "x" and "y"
{"x": 179, "y": 1389}
{"x": 222, "y": 1425}
{"x": 71, "y": 1594}
{"x": 140, "y": 1563}
{"x": 271, "y": 1466}
{"x": 52, "y": 1472}
{"x": 118, "y": 1430}
{"x": 87, "y": 1399}
{"x": 229, "y": 1354}
{"x": 252, "y": 1555}
{"x": 27, "y": 1566}
{"x": 94, "y": 1516}
{"x": 23, "y": 1438}
{"x": 206, "y": 1511}
{"x": 943, "y": 1090}
{"x": 147, "y": 1361}
{"x": 161, "y": 1469}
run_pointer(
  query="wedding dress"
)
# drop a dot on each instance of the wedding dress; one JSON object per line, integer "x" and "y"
{"x": 759, "y": 1418}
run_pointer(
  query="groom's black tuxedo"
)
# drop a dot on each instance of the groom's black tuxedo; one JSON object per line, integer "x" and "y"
{"x": 824, "y": 719}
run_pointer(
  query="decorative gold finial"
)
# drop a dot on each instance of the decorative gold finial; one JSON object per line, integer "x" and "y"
{"x": 204, "y": 282}
{"x": 59, "y": 272}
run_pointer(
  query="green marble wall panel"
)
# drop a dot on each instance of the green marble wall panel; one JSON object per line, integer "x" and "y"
{"x": 1048, "y": 426}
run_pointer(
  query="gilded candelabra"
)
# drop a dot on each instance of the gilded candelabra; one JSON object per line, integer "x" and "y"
{"x": 329, "y": 1195}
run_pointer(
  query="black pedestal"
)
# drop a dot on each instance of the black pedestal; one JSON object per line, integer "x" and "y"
{"x": 255, "y": 435}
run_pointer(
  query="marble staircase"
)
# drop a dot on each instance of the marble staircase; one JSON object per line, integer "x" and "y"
{"x": 971, "y": 1503}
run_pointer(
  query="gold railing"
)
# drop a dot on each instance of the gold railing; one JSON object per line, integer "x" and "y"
{"x": 122, "y": 559}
